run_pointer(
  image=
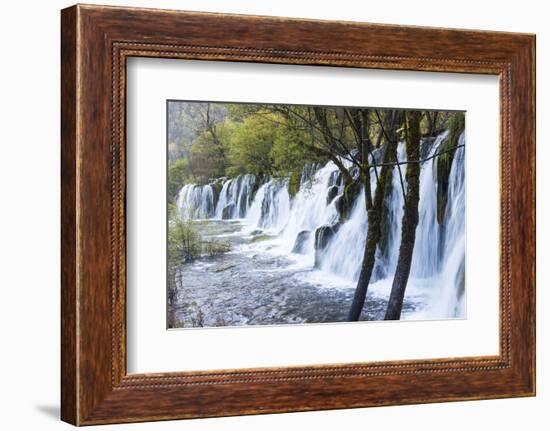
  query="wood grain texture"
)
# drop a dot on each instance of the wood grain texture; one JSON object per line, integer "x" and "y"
{"x": 96, "y": 41}
{"x": 69, "y": 397}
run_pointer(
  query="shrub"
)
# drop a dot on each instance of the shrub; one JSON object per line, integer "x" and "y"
{"x": 183, "y": 241}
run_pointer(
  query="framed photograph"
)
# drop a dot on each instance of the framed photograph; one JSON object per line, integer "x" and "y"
{"x": 266, "y": 215}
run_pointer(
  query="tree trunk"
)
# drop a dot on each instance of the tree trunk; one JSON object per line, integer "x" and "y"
{"x": 410, "y": 218}
{"x": 373, "y": 230}
{"x": 211, "y": 129}
{"x": 373, "y": 235}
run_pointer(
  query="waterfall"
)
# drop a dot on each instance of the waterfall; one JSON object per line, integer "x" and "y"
{"x": 196, "y": 202}
{"x": 227, "y": 200}
{"x": 310, "y": 208}
{"x": 271, "y": 206}
{"x": 308, "y": 225}
{"x": 245, "y": 195}
{"x": 427, "y": 256}
{"x": 344, "y": 253}
{"x": 235, "y": 197}
{"x": 451, "y": 300}
{"x": 255, "y": 212}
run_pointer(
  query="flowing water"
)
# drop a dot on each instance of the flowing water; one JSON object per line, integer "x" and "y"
{"x": 196, "y": 202}
{"x": 293, "y": 260}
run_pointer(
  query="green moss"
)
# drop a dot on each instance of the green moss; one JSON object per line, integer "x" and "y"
{"x": 213, "y": 248}
{"x": 344, "y": 205}
{"x": 262, "y": 237}
{"x": 385, "y": 228}
{"x": 455, "y": 125}
{"x": 259, "y": 181}
{"x": 216, "y": 189}
{"x": 294, "y": 183}
{"x": 444, "y": 163}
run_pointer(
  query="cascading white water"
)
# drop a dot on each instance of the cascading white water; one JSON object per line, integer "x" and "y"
{"x": 227, "y": 198}
{"x": 244, "y": 198}
{"x": 310, "y": 208}
{"x": 254, "y": 213}
{"x": 451, "y": 298}
{"x": 196, "y": 202}
{"x": 235, "y": 197}
{"x": 344, "y": 253}
{"x": 438, "y": 260}
{"x": 427, "y": 247}
{"x": 271, "y": 206}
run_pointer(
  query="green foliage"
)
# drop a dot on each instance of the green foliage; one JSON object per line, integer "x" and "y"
{"x": 233, "y": 139}
{"x": 208, "y": 153}
{"x": 176, "y": 177}
{"x": 172, "y": 210}
{"x": 245, "y": 139}
{"x": 240, "y": 111}
{"x": 183, "y": 241}
{"x": 289, "y": 152}
{"x": 251, "y": 143}
{"x": 214, "y": 248}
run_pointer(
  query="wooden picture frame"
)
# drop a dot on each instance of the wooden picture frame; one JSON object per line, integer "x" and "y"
{"x": 95, "y": 43}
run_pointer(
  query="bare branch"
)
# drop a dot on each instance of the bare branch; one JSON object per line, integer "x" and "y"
{"x": 407, "y": 162}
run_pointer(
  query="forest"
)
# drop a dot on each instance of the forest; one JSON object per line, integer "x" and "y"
{"x": 310, "y": 214}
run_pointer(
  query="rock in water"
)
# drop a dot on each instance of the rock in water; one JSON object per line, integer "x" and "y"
{"x": 227, "y": 212}
{"x": 216, "y": 189}
{"x": 300, "y": 243}
{"x": 335, "y": 178}
{"x": 345, "y": 202}
{"x": 323, "y": 235}
{"x": 331, "y": 194}
{"x": 243, "y": 205}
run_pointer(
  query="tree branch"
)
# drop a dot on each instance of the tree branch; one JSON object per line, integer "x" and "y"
{"x": 407, "y": 162}
{"x": 394, "y": 154}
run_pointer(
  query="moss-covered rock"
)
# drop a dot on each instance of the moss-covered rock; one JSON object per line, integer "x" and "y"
{"x": 301, "y": 241}
{"x": 216, "y": 189}
{"x": 345, "y": 202}
{"x": 294, "y": 183}
{"x": 335, "y": 178}
{"x": 444, "y": 162}
{"x": 227, "y": 212}
{"x": 258, "y": 181}
{"x": 385, "y": 221}
{"x": 331, "y": 194}
{"x": 261, "y": 237}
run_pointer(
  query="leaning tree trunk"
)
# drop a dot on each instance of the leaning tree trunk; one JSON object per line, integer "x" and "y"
{"x": 373, "y": 231}
{"x": 410, "y": 218}
{"x": 373, "y": 236}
